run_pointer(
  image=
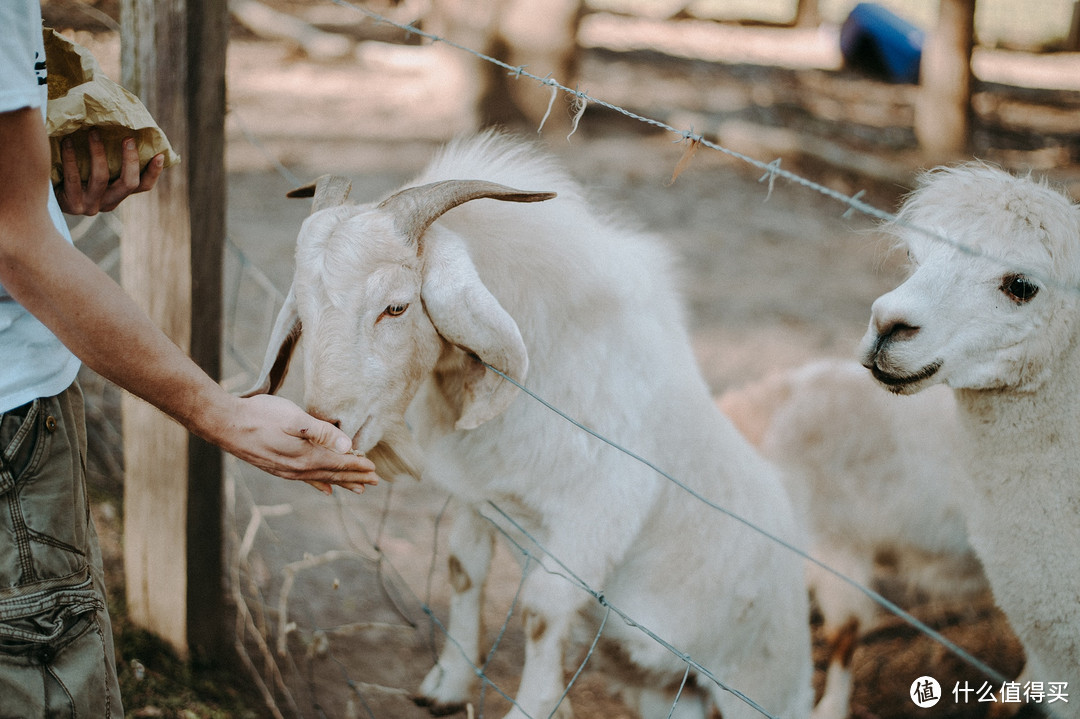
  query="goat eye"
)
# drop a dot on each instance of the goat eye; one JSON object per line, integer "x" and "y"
{"x": 396, "y": 310}
{"x": 1019, "y": 288}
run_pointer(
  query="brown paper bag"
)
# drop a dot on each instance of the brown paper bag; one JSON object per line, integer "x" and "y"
{"x": 81, "y": 97}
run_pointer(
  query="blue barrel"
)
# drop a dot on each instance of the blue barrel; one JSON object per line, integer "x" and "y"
{"x": 876, "y": 41}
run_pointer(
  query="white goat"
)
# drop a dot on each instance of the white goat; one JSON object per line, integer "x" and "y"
{"x": 871, "y": 477}
{"x": 995, "y": 315}
{"x": 401, "y": 304}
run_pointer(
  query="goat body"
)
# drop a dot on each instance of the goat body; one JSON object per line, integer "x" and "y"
{"x": 583, "y": 309}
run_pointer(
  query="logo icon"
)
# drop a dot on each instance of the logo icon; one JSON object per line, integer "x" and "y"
{"x": 925, "y": 692}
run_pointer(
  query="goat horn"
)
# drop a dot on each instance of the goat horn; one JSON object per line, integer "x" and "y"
{"x": 415, "y": 208}
{"x": 328, "y": 191}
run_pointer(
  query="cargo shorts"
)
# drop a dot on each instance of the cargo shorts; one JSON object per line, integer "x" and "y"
{"x": 56, "y": 648}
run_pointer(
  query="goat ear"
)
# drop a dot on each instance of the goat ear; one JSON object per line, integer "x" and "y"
{"x": 283, "y": 340}
{"x": 328, "y": 191}
{"x": 467, "y": 315}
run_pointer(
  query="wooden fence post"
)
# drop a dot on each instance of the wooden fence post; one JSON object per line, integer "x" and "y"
{"x": 173, "y": 58}
{"x": 807, "y": 13}
{"x": 943, "y": 106}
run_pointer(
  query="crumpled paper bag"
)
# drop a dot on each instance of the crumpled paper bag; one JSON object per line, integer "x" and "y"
{"x": 81, "y": 97}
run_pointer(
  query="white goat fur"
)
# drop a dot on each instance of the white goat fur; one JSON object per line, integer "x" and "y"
{"x": 606, "y": 342}
{"x": 1012, "y": 357}
{"x": 871, "y": 476}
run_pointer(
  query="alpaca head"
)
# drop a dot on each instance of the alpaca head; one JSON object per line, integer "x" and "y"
{"x": 993, "y": 307}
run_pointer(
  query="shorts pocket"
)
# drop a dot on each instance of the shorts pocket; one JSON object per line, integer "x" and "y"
{"x": 38, "y": 621}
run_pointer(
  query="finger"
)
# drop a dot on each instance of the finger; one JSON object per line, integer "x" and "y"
{"x": 355, "y": 480}
{"x": 351, "y": 481}
{"x": 71, "y": 189}
{"x": 151, "y": 173}
{"x": 127, "y": 182}
{"x": 347, "y": 470}
{"x": 321, "y": 486}
{"x": 129, "y": 165}
{"x": 99, "y": 172}
{"x": 324, "y": 434}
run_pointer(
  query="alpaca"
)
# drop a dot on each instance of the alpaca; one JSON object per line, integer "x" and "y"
{"x": 994, "y": 313}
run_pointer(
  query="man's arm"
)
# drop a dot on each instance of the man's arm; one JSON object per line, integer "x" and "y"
{"x": 98, "y": 322}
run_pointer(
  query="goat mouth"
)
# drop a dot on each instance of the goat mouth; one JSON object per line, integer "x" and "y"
{"x": 899, "y": 382}
{"x": 361, "y": 443}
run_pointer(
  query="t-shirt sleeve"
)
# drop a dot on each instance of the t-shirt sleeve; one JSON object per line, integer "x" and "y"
{"x": 22, "y": 57}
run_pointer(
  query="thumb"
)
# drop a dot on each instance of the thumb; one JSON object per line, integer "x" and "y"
{"x": 327, "y": 435}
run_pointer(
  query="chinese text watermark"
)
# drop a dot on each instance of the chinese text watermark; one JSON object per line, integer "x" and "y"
{"x": 926, "y": 691}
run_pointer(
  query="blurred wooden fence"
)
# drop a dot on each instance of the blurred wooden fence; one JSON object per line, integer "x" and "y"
{"x": 173, "y": 57}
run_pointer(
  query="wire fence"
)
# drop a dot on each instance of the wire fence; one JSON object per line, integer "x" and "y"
{"x": 316, "y": 639}
{"x": 580, "y": 100}
{"x": 296, "y": 644}
{"x": 772, "y": 172}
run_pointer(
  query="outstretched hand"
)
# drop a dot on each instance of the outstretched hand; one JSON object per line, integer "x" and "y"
{"x": 278, "y": 437}
{"x": 98, "y": 194}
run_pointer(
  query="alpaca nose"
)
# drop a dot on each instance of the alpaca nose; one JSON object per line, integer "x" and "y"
{"x": 890, "y": 321}
{"x": 890, "y": 330}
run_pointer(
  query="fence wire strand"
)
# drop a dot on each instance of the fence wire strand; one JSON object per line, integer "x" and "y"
{"x": 531, "y": 562}
{"x": 580, "y": 99}
{"x": 877, "y": 598}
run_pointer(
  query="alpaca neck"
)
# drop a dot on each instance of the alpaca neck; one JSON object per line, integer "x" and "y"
{"x": 1022, "y": 507}
{"x": 1026, "y": 439}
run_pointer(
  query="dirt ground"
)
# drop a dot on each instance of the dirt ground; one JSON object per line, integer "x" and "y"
{"x": 775, "y": 275}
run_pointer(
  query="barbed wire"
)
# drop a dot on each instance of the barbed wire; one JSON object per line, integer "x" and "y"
{"x": 772, "y": 170}
{"x": 308, "y": 562}
{"x": 253, "y": 625}
{"x": 248, "y": 621}
{"x": 876, "y": 597}
{"x": 609, "y": 607}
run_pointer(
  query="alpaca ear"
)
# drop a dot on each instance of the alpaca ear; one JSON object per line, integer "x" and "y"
{"x": 283, "y": 340}
{"x": 467, "y": 315}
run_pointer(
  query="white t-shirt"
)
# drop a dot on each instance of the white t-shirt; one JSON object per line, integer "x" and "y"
{"x": 33, "y": 362}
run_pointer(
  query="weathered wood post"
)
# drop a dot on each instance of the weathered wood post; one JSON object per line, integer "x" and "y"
{"x": 807, "y": 13}
{"x": 173, "y": 58}
{"x": 1072, "y": 40}
{"x": 943, "y": 107}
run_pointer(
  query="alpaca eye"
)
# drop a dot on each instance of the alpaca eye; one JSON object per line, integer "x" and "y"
{"x": 1019, "y": 288}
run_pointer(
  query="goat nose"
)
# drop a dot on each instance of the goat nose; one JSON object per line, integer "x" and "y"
{"x": 319, "y": 415}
